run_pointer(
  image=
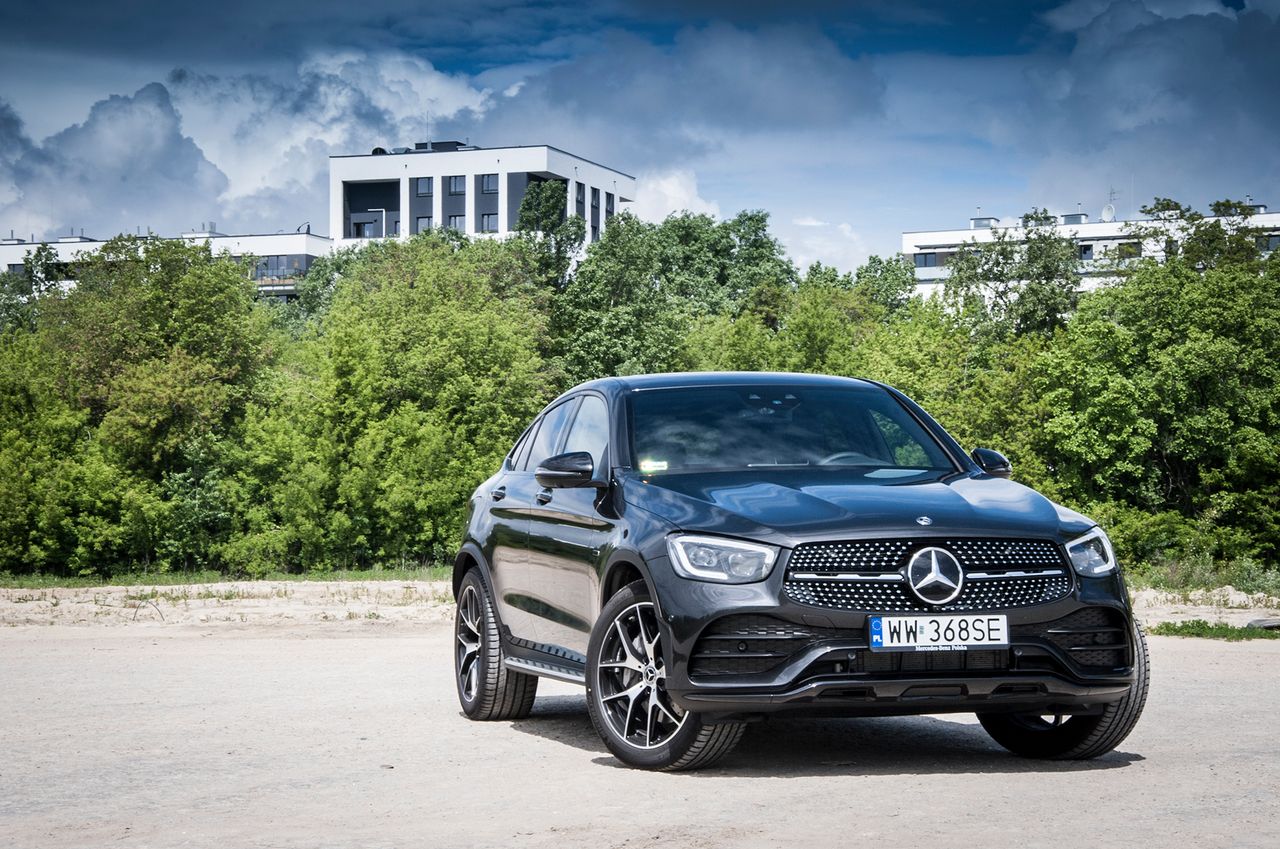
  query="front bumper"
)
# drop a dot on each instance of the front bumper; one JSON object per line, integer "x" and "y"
{"x": 773, "y": 654}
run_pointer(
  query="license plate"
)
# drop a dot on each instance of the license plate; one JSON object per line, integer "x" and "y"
{"x": 937, "y": 633}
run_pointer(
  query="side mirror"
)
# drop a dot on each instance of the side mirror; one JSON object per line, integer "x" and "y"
{"x": 992, "y": 462}
{"x": 566, "y": 470}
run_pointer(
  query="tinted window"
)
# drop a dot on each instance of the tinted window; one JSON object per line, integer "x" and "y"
{"x": 549, "y": 432}
{"x": 590, "y": 431}
{"x": 513, "y": 456}
{"x": 756, "y": 427}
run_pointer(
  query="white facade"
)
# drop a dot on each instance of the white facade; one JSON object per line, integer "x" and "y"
{"x": 474, "y": 190}
{"x": 1101, "y": 242}
{"x": 282, "y": 258}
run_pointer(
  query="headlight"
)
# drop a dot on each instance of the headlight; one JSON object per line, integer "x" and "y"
{"x": 1092, "y": 555}
{"x": 726, "y": 561}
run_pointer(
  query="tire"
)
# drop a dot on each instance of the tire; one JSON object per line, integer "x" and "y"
{"x": 1075, "y": 737}
{"x": 626, "y": 671}
{"x": 487, "y": 689}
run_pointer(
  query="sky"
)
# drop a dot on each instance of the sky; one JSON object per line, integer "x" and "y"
{"x": 848, "y": 122}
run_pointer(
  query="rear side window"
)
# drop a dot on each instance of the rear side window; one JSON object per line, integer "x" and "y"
{"x": 550, "y": 429}
{"x": 590, "y": 431}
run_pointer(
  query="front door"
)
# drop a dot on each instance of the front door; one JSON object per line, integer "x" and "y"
{"x": 568, "y": 530}
{"x": 511, "y": 504}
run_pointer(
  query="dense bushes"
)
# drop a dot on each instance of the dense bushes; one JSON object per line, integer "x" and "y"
{"x": 156, "y": 417}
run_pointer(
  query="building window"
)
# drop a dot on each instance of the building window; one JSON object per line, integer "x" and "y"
{"x": 489, "y": 184}
{"x": 424, "y": 223}
{"x": 489, "y": 222}
{"x": 1086, "y": 252}
{"x": 595, "y": 198}
{"x": 458, "y": 222}
{"x": 582, "y": 193}
{"x": 424, "y": 187}
{"x": 395, "y": 228}
{"x": 362, "y": 229}
{"x": 608, "y": 204}
{"x": 1273, "y": 243}
{"x": 1128, "y": 250}
{"x": 458, "y": 185}
{"x": 926, "y": 260}
{"x": 595, "y": 233}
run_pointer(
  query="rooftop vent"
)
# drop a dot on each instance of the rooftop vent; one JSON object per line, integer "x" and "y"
{"x": 446, "y": 145}
{"x": 1076, "y": 218}
{"x": 399, "y": 150}
{"x": 378, "y": 151}
{"x": 1258, "y": 208}
{"x": 422, "y": 145}
{"x": 983, "y": 223}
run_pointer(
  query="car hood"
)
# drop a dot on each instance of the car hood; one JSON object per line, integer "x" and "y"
{"x": 788, "y": 508}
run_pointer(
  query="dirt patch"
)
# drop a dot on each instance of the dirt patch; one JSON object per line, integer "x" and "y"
{"x": 233, "y": 602}
{"x": 392, "y": 602}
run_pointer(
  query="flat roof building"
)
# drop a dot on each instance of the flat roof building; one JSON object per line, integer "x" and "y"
{"x": 470, "y": 189}
{"x": 398, "y": 194}
{"x": 1100, "y": 243}
{"x": 281, "y": 259}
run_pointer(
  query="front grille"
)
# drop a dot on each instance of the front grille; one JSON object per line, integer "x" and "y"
{"x": 749, "y": 644}
{"x": 888, "y": 555}
{"x": 1093, "y": 637}
{"x": 864, "y": 574}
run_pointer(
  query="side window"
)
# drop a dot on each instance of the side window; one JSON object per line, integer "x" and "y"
{"x": 549, "y": 433}
{"x": 590, "y": 431}
{"x": 513, "y": 456}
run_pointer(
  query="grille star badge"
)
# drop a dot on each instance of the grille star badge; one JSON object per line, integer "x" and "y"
{"x": 935, "y": 576}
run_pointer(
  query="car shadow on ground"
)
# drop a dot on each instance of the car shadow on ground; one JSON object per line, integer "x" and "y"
{"x": 919, "y": 745}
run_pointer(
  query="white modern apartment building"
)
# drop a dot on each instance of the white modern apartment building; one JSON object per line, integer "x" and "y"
{"x": 280, "y": 259}
{"x": 397, "y": 194}
{"x": 1099, "y": 242}
{"x": 474, "y": 190}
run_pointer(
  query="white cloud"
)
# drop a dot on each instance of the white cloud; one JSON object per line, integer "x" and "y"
{"x": 658, "y": 194}
{"x": 809, "y": 221}
{"x": 839, "y": 245}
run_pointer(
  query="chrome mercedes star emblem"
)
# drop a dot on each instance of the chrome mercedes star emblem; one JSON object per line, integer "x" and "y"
{"x": 935, "y": 575}
{"x": 923, "y": 520}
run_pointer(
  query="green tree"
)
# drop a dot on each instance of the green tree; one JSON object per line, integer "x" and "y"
{"x": 1022, "y": 281}
{"x": 888, "y": 282}
{"x": 553, "y": 236}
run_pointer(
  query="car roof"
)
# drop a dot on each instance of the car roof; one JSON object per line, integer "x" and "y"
{"x": 674, "y": 380}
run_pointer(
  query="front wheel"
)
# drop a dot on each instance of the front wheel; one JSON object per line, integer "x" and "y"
{"x": 1075, "y": 737}
{"x": 627, "y": 697}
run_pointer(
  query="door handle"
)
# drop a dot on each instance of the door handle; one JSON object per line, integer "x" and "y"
{"x": 543, "y": 497}
{"x": 499, "y": 493}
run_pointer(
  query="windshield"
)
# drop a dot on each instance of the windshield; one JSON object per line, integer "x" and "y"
{"x": 734, "y": 428}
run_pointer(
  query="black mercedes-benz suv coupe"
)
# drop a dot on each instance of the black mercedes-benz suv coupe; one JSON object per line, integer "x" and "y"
{"x": 701, "y": 550}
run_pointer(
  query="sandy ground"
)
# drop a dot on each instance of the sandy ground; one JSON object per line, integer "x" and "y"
{"x": 298, "y": 726}
{"x": 399, "y": 603}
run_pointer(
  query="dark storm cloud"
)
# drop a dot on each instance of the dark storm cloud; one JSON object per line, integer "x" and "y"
{"x": 667, "y": 103}
{"x": 868, "y": 118}
{"x": 128, "y": 165}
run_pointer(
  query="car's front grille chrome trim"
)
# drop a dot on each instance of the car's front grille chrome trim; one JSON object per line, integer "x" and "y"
{"x": 1021, "y": 573}
{"x": 844, "y": 576}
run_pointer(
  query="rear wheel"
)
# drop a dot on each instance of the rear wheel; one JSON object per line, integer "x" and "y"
{"x": 627, "y": 696}
{"x": 486, "y": 688}
{"x": 1075, "y": 737}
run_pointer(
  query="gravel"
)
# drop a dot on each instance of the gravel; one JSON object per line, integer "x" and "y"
{"x": 345, "y": 732}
